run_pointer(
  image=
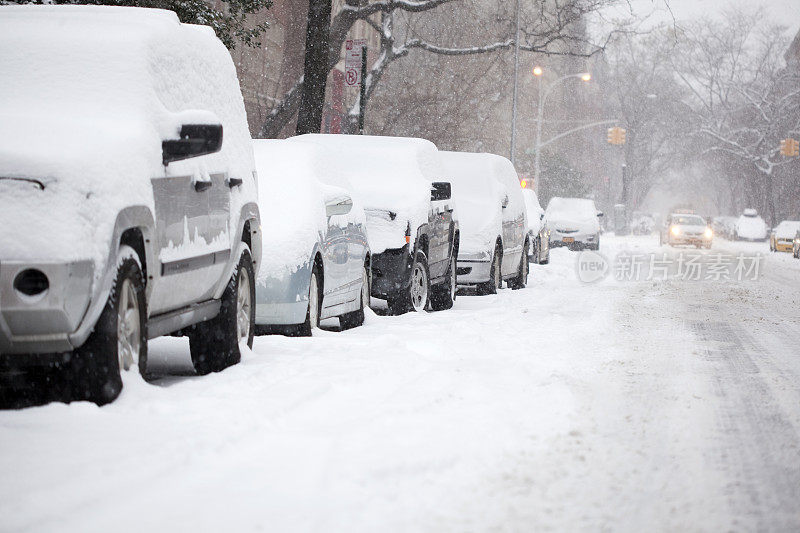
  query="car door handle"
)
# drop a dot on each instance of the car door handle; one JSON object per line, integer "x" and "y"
{"x": 233, "y": 182}
{"x": 201, "y": 186}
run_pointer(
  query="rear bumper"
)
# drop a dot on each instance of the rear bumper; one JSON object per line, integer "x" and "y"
{"x": 573, "y": 242}
{"x": 391, "y": 271}
{"x": 45, "y": 322}
{"x": 473, "y": 272}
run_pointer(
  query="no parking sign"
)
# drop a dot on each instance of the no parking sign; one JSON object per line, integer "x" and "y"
{"x": 352, "y": 61}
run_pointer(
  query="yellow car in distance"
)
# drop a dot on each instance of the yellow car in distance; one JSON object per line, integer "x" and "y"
{"x": 781, "y": 238}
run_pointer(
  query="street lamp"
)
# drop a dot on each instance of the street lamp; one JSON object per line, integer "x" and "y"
{"x": 538, "y": 72}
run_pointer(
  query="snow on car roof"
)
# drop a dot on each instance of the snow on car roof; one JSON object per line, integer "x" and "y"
{"x": 89, "y": 94}
{"x": 386, "y": 173}
{"x": 787, "y": 229}
{"x": 583, "y": 206}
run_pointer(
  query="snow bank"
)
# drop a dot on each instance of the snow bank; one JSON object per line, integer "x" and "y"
{"x": 89, "y": 94}
{"x": 385, "y": 174}
{"x": 292, "y": 202}
{"x": 479, "y": 196}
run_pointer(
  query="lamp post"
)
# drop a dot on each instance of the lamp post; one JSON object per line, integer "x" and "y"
{"x": 538, "y": 72}
{"x": 516, "y": 90}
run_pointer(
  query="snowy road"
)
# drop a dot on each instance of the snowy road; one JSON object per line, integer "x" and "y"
{"x": 626, "y": 406}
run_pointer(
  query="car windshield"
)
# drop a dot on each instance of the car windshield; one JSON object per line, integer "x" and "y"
{"x": 688, "y": 220}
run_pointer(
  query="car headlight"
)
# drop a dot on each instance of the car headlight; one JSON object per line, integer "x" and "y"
{"x": 675, "y": 230}
{"x": 708, "y": 233}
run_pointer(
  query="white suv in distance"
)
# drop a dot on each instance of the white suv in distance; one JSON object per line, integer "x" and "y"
{"x": 125, "y": 213}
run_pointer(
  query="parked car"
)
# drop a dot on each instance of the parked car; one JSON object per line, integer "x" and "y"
{"x": 412, "y": 227}
{"x": 750, "y": 227}
{"x": 125, "y": 214}
{"x": 686, "y": 229}
{"x": 781, "y": 238}
{"x": 315, "y": 261}
{"x": 494, "y": 228}
{"x": 573, "y": 222}
{"x": 538, "y": 233}
{"x": 723, "y": 226}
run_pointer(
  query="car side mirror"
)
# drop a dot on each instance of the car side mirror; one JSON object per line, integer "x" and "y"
{"x": 440, "y": 190}
{"x": 195, "y": 140}
{"x": 600, "y": 214}
{"x": 504, "y": 203}
{"x": 338, "y": 205}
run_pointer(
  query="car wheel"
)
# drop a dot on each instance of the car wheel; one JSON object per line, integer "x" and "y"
{"x": 415, "y": 297}
{"x": 214, "y": 344}
{"x": 443, "y": 295}
{"x": 522, "y": 274}
{"x": 119, "y": 338}
{"x": 356, "y": 318}
{"x": 495, "y": 276}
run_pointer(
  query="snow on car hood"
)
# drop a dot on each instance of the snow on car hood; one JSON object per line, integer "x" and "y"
{"x": 291, "y": 199}
{"x": 90, "y": 93}
{"x": 478, "y": 195}
{"x": 389, "y": 176}
{"x": 751, "y": 227}
{"x": 787, "y": 229}
{"x": 574, "y": 214}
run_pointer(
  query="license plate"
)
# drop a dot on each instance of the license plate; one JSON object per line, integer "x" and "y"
{"x": 569, "y": 239}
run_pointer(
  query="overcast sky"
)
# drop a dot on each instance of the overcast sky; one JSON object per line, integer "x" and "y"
{"x": 786, "y": 12}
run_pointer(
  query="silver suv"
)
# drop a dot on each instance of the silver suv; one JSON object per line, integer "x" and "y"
{"x": 124, "y": 215}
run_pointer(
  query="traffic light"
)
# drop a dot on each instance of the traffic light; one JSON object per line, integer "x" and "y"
{"x": 616, "y": 135}
{"x": 790, "y": 147}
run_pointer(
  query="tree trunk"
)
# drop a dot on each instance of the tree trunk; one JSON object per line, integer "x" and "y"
{"x": 315, "y": 69}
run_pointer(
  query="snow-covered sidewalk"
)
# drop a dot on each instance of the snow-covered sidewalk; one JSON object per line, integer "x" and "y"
{"x": 562, "y": 406}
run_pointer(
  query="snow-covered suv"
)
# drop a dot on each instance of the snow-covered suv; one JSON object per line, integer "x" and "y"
{"x": 124, "y": 215}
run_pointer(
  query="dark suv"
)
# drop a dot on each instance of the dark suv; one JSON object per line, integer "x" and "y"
{"x": 411, "y": 226}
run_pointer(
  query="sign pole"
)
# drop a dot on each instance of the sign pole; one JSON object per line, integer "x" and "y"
{"x": 362, "y": 101}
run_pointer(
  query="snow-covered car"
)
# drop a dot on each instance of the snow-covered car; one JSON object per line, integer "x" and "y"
{"x": 538, "y": 233}
{"x": 315, "y": 262}
{"x": 573, "y": 222}
{"x": 124, "y": 213}
{"x": 750, "y": 227}
{"x": 781, "y": 238}
{"x": 723, "y": 226}
{"x": 494, "y": 241}
{"x": 686, "y": 229}
{"x": 412, "y": 228}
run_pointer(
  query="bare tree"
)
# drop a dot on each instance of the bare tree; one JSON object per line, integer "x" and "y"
{"x": 548, "y": 27}
{"x": 315, "y": 71}
{"x": 743, "y": 100}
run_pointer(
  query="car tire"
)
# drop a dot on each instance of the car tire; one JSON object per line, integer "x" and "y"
{"x": 355, "y": 319}
{"x": 495, "y": 276}
{"x": 214, "y": 344}
{"x": 315, "y": 285}
{"x": 519, "y": 281}
{"x": 119, "y": 338}
{"x": 443, "y": 295}
{"x": 415, "y": 296}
